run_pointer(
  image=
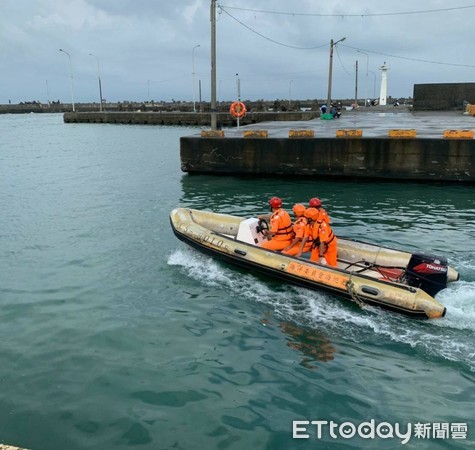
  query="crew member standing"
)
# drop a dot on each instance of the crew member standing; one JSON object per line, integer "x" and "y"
{"x": 297, "y": 247}
{"x": 325, "y": 243}
{"x": 280, "y": 232}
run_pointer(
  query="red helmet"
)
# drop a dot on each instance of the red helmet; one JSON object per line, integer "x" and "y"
{"x": 275, "y": 202}
{"x": 315, "y": 202}
{"x": 299, "y": 209}
{"x": 312, "y": 213}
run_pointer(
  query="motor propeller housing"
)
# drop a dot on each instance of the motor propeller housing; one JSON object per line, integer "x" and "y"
{"x": 427, "y": 272}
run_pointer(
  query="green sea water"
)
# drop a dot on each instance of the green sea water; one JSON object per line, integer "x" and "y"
{"x": 115, "y": 335}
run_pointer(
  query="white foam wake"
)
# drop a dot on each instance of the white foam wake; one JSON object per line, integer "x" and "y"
{"x": 450, "y": 338}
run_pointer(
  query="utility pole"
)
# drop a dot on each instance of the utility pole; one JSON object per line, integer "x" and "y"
{"x": 193, "y": 74}
{"x": 213, "y": 65}
{"x": 356, "y": 86}
{"x": 330, "y": 71}
{"x": 199, "y": 88}
{"x": 99, "y": 78}
{"x": 366, "y": 79}
{"x": 47, "y": 94}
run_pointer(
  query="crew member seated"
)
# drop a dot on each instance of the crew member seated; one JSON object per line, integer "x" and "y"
{"x": 280, "y": 232}
{"x": 317, "y": 203}
{"x": 298, "y": 245}
{"x": 325, "y": 243}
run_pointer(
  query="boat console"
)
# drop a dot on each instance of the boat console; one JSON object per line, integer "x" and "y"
{"x": 249, "y": 231}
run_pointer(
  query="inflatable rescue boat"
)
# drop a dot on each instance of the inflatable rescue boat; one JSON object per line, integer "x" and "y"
{"x": 367, "y": 274}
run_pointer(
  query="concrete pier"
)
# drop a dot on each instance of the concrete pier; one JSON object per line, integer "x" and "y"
{"x": 184, "y": 118}
{"x": 384, "y": 145}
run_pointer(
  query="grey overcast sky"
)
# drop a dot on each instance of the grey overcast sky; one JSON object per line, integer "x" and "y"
{"x": 279, "y": 48}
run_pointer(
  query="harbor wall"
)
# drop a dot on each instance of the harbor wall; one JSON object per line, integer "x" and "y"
{"x": 443, "y": 96}
{"x": 385, "y": 158}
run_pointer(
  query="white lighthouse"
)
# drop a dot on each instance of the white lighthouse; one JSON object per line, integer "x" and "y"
{"x": 383, "y": 95}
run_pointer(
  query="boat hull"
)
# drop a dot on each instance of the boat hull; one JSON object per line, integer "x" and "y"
{"x": 216, "y": 235}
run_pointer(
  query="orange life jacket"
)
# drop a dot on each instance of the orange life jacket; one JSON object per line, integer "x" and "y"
{"x": 281, "y": 225}
{"x": 299, "y": 227}
{"x": 323, "y": 215}
{"x": 322, "y": 233}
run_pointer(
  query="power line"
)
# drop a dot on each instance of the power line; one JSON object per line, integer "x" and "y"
{"x": 410, "y": 59}
{"x": 341, "y": 62}
{"x": 347, "y": 46}
{"x": 426, "y": 11}
{"x": 267, "y": 38}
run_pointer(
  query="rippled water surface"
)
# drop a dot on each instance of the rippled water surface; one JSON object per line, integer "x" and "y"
{"x": 114, "y": 334}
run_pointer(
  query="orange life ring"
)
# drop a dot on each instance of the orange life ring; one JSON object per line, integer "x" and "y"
{"x": 238, "y": 109}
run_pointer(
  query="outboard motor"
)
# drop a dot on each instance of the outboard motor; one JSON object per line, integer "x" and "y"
{"x": 427, "y": 272}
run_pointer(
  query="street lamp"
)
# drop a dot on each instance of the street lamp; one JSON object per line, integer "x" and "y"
{"x": 99, "y": 78}
{"x": 332, "y": 44}
{"x": 71, "y": 71}
{"x": 366, "y": 79}
{"x": 193, "y": 74}
{"x": 290, "y": 91}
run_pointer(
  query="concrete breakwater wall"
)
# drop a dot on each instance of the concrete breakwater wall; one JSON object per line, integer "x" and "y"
{"x": 184, "y": 118}
{"x": 425, "y": 159}
{"x": 443, "y": 96}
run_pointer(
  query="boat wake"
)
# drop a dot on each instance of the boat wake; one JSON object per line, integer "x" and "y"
{"x": 450, "y": 338}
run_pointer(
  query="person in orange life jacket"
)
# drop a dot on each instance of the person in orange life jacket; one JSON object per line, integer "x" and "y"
{"x": 325, "y": 243}
{"x": 297, "y": 246}
{"x": 280, "y": 233}
{"x": 317, "y": 203}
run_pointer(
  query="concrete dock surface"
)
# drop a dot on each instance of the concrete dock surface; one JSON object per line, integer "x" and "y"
{"x": 373, "y": 121}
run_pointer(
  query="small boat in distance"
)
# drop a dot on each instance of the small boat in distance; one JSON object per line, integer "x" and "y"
{"x": 367, "y": 274}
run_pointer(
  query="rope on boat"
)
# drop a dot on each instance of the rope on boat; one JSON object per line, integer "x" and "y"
{"x": 377, "y": 268}
{"x": 350, "y": 286}
{"x": 366, "y": 266}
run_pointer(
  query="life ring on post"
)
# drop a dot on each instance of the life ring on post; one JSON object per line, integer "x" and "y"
{"x": 237, "y": 109}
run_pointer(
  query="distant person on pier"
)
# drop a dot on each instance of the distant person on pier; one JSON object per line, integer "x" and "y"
{"x": 280, "y": 232}
{"x": 335, "y": 111}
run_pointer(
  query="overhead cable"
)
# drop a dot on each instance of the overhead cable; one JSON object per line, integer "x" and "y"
{"x": 409, "y": 59}
{"x": 426, "y": 11}
{"x": 269, "y": 39}
{"x": 343, "y": 45}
